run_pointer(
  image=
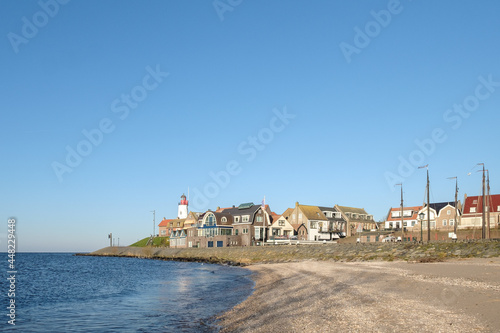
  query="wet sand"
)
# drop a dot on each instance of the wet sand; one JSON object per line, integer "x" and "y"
{"x": 324, "y": 296}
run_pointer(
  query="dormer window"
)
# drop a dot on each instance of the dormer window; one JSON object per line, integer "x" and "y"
{"x": 473, "y": 209}
{"x": 245, "y": 218}
{"x": 236, "y": 219}
{"x": 223, "y": 219}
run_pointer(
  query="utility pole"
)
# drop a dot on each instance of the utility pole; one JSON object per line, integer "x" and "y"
{"x": 488, "y": 201}
{"x": 154, "y": 223}
{"x": 428, "y": 205}
{"x": 456, "y": 203}
{"x": 483, "y": 230}
{"x": 428, "y": 208}
{"x": 402, "y": 223}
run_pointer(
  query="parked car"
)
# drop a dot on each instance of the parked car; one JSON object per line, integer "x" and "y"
{"x": 389, "y": 239}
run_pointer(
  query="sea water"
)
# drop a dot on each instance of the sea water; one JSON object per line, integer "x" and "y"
{"x": 60, "y": 292}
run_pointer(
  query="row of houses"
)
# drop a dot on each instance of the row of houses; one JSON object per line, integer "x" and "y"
{"x": 249, "y": 224}
{"x": 444, "y": 216}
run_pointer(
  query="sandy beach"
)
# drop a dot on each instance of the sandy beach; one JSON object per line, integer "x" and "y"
{"x": 325, "y": 296}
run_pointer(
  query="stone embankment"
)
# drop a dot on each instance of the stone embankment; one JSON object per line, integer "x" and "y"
{"x": 242, "y": 256}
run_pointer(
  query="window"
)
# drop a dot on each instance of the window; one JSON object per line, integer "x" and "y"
{"x": 258, "y": 218}
{"x": 226, "y": 232}
{"x": 444, "y": 223}
{"x": 200, "y": 232}
{"x": 498, "y": 209}
{"x": 281, "y": 223}
{"x": 413, "y": 223}
{"x": 245, "y": 231}
{"x": 236, "y": 219}
{"x": 236, "y": 232}
{"x": 473, "y": 209}
{"x": 210, "y": 220}
{"x": 257, "y": 233}
{"x": 448, "y": 212}
{"x": 396, "y": 214}
{"x": 224, "y": 219}
{"x": 190, "y": 244}
{"x": 452, "y": 222}
{"x": 313, "y": 225}
{"x": 163, "y": 232}
{"x": 210, "y": 244}
{"x": 245, "y": 218}
{"x": 178, "y": 224}
{"x": 300, "y": 216}
{"x": 293, "y": 216}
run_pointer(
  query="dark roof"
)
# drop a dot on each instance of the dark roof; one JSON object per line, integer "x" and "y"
{"x": 437, "y": 206}
{"x": 237, "y": 211}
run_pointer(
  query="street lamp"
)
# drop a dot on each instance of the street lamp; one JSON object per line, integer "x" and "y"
{"x": 421, "y": 218}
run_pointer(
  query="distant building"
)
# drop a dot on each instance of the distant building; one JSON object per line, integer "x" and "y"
{"x": 442, "y": 216}
{"x": 307, "y": 221}
{"x": 410, "y": 218}
{"x": 472, "y": 211}
{"x": 245, "y": 225}
{"x": 357, "y": 219}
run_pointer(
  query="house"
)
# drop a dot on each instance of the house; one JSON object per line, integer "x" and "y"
{"x": 442, "y": 216}
{"x": 473, "y": 208}
{"x": 178, "y": 239}
{"x": 164, "y": 231}
{"x": 213, "y": 229}
{"x": 336, "y": 224}
{"x": 250, "y": 222}
{"x": 174, "y": 225}
{"x": 309, "y": 222}
{"x": 410, "y": 218}
{"x": 357, "y": 219}
{"x": 280, "y": 228}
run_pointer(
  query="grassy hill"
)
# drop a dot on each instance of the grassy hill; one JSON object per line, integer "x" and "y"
{"x": 157, "y": 241}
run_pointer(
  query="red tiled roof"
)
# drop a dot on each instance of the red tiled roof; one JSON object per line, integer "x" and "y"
{"x": 414, "y": 216}
{"x": 477, "y": 202}
{"x": 164, "y": 223}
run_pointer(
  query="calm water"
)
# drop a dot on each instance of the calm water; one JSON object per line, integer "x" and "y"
{"x": 66, "y": 293}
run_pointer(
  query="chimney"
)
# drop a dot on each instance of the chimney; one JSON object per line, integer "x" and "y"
{"x": 218, "y": 207}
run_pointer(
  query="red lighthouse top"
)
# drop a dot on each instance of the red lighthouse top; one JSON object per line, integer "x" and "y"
{"x": 183, "y": 200}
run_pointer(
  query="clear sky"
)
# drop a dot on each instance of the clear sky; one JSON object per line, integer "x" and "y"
{"x": 113, "y": 109}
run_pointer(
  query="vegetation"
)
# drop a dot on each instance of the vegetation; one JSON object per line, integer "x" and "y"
{"x": 157, "y": 241}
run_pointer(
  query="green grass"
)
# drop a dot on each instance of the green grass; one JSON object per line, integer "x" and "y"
{"x": 157, "y": 241}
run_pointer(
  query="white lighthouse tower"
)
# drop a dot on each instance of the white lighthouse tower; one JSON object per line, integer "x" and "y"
{"x": 182, "y": 213}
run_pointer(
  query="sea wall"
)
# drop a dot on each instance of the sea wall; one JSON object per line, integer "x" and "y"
{"x": 338, "y": 252}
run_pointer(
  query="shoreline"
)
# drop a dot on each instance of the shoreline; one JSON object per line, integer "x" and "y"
{"x": 446, "y": 287}
{"x": 326, "y": 296}
{"x": 242, "y": 256}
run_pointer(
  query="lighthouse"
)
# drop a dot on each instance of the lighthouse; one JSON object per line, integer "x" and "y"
{"x": 182, "y": 213}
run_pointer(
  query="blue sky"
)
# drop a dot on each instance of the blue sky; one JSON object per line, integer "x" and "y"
{"x": 321, "y": 102}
